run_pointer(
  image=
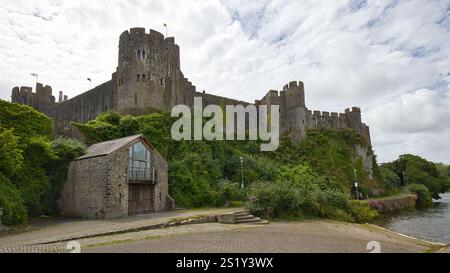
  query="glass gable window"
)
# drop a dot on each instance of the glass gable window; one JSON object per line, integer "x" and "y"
{"x": 139, "y": 163}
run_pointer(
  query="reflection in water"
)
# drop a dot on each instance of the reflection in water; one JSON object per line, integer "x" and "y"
{"x": 432, "y": 224}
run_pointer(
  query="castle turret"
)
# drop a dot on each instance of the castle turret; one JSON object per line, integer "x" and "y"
{"x": 353, "y": 118}
{"x": 293, "y": 110}
{"x": 148, "y": 71}
{"x": 42, "y": 100}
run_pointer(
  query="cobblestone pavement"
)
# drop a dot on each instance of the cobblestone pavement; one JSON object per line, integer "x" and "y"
{"x": 445, "y": 250}
{"x": 307, "y": 236}
{"x": 48, "y": 233}
{"x": 61, "y": 247}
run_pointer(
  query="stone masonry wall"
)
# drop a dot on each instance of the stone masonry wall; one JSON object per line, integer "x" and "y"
{"x": 149, "y": 79}
{"x": 162, "y": 186}
{"x": 88, "y": 105}
{"x": 98, "y": 187}
{"x": 84, "y": 194}
{"x": 116, "y": 204}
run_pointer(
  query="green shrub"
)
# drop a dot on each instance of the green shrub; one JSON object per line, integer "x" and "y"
{"x": 65, "y": 150}
{"x": 112, "y": 118}
{"x": 14, "y": 211}
{"x": 129, "y": 125}
{"x": 424, "y": 198}
{"x": 362, "y": 212}
{"x": 390, "y": 179}
{"x": 26, "y": 121}
{"x": 279, "y": 199}
{"x": 298, "y": 191}
{"x": 417, "y": 170}
{"x": 11, "y": 156}
{"x": 228, "y": 191}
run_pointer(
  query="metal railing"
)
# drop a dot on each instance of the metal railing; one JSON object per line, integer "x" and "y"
{"x": 140, "y": 174}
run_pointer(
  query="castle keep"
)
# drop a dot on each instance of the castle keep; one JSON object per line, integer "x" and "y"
{"x": 148, "y": 78}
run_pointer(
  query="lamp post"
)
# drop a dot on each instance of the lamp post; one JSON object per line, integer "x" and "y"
{"x": 241, "y": 159}
{"x": 90, "y": 83}
{"x": 356, "y": 185}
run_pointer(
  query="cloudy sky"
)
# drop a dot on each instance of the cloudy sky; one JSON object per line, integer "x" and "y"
{"x": 391, "y": 58}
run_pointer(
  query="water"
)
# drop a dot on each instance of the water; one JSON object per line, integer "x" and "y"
{"x": 431, "y": 224}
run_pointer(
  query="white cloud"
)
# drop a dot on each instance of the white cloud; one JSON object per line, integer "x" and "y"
{"x": 392, "y": 58}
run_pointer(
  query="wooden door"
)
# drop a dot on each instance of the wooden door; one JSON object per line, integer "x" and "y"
{"x": 140, "y": 199}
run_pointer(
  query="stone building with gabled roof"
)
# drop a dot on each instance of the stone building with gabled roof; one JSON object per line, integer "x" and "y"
{"x": 115, "y": 178}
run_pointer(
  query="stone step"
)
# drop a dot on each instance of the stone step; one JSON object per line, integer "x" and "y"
{"x": 241, "y": 211}
{"x": 248, "y": 221}
{"x": 241, "y": 217}
{"x": 261, "y": 222}
{"x": 241, "y": 214}
{"x": 244, "y": 217}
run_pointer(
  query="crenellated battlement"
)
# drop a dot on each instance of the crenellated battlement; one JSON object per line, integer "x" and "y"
{"x": 294, "y": 86}
{"x": 42, "y": 99}
{"x": 139, "y": 34}
{"x": 148, "y": 78}
{"x": 353, "y": 110}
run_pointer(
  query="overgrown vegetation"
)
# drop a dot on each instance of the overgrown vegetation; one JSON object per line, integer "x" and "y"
{"x": 33, "y": 166}
{"x": 412, "y": 169}
{"x": 312, "y": 178}
{"x": 423, "y": 195}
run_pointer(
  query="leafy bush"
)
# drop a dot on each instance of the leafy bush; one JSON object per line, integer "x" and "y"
{"x": 296, "y": 192}
{"x": 14, "y": 211}
{"x": 416, "y": 170}
{"x": 11, "y": 157}
{"x": 32, "y": 167}
{"x": 279, "y": 199}
{"x": 26, "y": 121}
{"x": 228, "y": 192}
{"x": 65, "y": 150}
{"x": 424, "y": 198}
{"x": 362, "y": 212}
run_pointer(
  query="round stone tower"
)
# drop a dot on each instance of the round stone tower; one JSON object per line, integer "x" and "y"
{"x": 147, "y": 73}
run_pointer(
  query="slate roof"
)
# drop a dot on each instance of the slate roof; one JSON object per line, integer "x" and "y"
{"x": 107, "y": 147}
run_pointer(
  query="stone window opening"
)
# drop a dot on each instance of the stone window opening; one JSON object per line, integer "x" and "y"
{"x": 139, "y": 163}
{"x": 143, "y": 54}
{"x": 135, "y": 98}
{"x": 138, "y": 54}
{"x": 143, "y": 77}
{"x": 138, "y": 77}
{"x": 162, "y": 81}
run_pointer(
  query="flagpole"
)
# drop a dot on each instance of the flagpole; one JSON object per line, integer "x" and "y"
{"x": 167, "y": 31}
{"x": 36, "y": 76}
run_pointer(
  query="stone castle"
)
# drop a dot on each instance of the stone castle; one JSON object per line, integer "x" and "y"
{"x": 148, "y": 78}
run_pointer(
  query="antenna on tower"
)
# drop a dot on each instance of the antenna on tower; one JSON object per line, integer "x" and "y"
{"x": 90, "y": 83}
{"x": 167, "y": 31}
{"x": 35, "y": 75}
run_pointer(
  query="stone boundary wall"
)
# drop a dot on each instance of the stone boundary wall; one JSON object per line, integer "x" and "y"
{"x": 218, "y": 100}
{"x": 392, "y": 204}
{"x": 88, "y": 105}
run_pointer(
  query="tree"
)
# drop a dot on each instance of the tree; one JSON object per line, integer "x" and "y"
{"x": 416, "y": 170}
{"x": 11, "y": 156}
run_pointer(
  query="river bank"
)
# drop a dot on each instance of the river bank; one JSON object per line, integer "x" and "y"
{"x": 431, "y": 224}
